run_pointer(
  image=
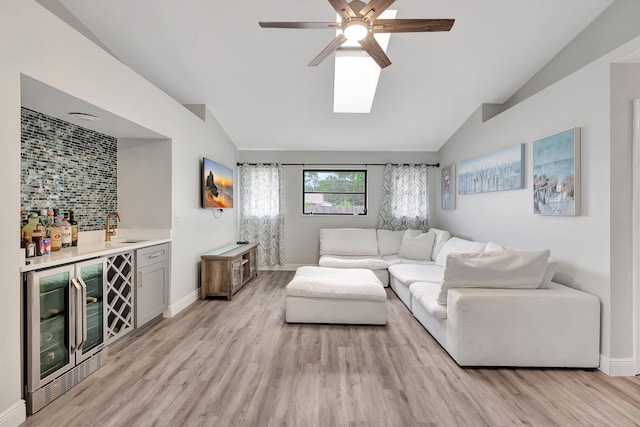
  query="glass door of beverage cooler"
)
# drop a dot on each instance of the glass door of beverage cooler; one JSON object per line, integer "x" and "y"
{"x": 91, "y": 276}
{"x": 50, "y": 325}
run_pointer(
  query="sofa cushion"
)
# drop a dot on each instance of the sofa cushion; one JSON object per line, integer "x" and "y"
{"x": 455, "y": 245}
{"x": 495, "y": 247}
{"x": 317, "y": 282}
{"x": 426, "y": 294}
{"x": 344, "y": 261}
{"x": 507, "y": 269}
{"x": 411, "y": 273}
{"x": 397, "y": 259}
{"x": 441, "y": 237}
{"x": 549, "y": 271}
{"x": 417, "y": 247}
{"x": 389, "y": 241}
{"x": 348, "y": 241}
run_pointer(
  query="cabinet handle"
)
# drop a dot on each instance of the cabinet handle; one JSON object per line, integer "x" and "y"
{"x": 140, "y": 279}
{"x": 155, "y": 254}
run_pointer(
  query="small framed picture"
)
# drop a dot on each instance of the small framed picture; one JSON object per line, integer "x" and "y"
{"x": 448, "y": 187}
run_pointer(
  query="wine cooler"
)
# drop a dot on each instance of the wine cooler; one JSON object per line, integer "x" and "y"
{"x": 65, "y": 317}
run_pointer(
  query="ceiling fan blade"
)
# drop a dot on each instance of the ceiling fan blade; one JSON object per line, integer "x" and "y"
{"x": 343, "y": 8}
{"x": 303, "y": 25}
{"x": 375, "y": 7}
{"x": 374, "y": 50}
{"x": 331, "y": 47}
{"x": 411, "y": 25}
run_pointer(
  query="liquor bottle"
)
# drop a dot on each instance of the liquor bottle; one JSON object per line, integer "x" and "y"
{"x": 56, "y": 233}
{"x": 66, "y": 233}
{"x": 36, "y": 238}
{"x": 74, "y": 228}
{"x": 32, "y": 223}
{"x": 43, "y": 220}
{"x": 26, "y": 238}
{"x": 49, "y": 225}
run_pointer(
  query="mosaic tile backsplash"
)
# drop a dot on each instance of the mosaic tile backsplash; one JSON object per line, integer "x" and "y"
{"x": 67, "y": 166}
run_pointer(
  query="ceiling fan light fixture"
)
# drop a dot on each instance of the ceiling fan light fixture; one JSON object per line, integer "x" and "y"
{"x": 355, "y": 30}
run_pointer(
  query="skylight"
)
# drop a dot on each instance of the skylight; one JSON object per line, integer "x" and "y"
{"x": 356, "y": 75}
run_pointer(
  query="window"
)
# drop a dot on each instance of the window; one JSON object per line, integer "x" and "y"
{"x": 334, "y": 192}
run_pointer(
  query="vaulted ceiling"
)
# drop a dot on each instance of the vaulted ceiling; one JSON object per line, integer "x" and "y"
{"x": 257, "y": 83}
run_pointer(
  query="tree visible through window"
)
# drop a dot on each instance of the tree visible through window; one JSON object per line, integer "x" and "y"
{"x": 334, "y": 192}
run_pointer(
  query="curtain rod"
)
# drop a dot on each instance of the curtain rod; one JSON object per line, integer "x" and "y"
{"x": 435, "y": 165}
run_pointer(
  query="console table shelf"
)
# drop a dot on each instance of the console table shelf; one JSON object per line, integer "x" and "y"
{"x": 223, "y": 274}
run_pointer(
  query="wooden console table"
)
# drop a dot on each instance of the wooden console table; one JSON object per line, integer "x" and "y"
{"x": 224, "y": 272}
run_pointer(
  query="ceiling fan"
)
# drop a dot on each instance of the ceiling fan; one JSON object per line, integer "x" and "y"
{"x": 360, "y": 22}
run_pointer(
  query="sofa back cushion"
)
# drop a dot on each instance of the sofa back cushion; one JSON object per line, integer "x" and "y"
{"x": 501, "y": 269}
{"x": 455, "y": 244}
{"x": 417, "y": 247}
{"x": 549, "y": 272}
{"x": 389, "y": 241}
{"x": 441, "y": 237}
{"x": 348, "y": 241}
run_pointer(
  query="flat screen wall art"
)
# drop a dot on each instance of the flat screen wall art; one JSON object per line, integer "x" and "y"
{"x": 556, "y": 174}
{"x": 498, "y": 171}
{"x": 448, "y": 187}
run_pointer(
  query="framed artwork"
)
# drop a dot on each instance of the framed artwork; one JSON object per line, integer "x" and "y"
{"x": 556, "y": 174}
{"x": 448, "y": 187}
{"x": 217, "y": 185}
{"x": 499, "y": 171}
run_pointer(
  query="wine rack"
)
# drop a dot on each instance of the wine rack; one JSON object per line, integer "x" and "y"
{"x": 119, "y": 316}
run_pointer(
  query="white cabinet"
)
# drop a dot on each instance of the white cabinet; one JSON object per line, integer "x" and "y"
{"x": 152, "y": 282}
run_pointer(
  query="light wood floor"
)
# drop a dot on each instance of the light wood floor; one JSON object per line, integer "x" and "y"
{"x": 222, "y": 363}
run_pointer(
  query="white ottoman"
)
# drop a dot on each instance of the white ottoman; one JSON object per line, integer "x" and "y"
{"x": 335, "y": 295}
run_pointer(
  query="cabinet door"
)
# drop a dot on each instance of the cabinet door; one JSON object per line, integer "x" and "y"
{"x": 93, "y": 275}
{"x": 151, "y": 292}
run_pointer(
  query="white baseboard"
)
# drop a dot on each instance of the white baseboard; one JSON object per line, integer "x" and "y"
{"x": 619, "y": 367}
{"x": 181, "y": 304}
{"x": 286, "y": 267}
{"x": 15, "y": 415}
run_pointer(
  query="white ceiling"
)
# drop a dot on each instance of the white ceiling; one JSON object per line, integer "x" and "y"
{"x": 257, "y": 84}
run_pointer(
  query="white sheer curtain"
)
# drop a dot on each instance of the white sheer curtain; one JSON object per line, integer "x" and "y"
{"x": 404, "y": 198}
{"x": 262, "y": 210}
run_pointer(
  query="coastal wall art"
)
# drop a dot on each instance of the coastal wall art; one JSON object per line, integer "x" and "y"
{"x": 556, "y": 174}
{"x": 498, "y": 171}
{"x": 448, "y": 187}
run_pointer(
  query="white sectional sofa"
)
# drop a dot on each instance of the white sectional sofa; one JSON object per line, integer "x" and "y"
{"x": 375, "y": 249}
{"x": 485, "y": 304}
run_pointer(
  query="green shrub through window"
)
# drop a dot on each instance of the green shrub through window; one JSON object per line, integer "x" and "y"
{"x": 334, "y": 192}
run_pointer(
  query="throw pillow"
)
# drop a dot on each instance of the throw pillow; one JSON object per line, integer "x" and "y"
{"x": 495, "y": 247}
{"x": 506, "y": 269}
{"x": 456, "y": 244}
{"x": 549, "y": 271}
{"x": 417, "y": 247}
{"x": 441, "y": 238}
{"x": 389, "y": 241}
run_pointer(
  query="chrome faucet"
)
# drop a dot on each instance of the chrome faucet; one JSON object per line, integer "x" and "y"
{"x": 110, "y": 231}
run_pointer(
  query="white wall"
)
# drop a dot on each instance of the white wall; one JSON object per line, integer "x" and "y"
{"x": 301, "y": 232}
{"x": 37, "y": 44}
{"x": 584, "y": 245}
{"x": 144, "y": 184}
